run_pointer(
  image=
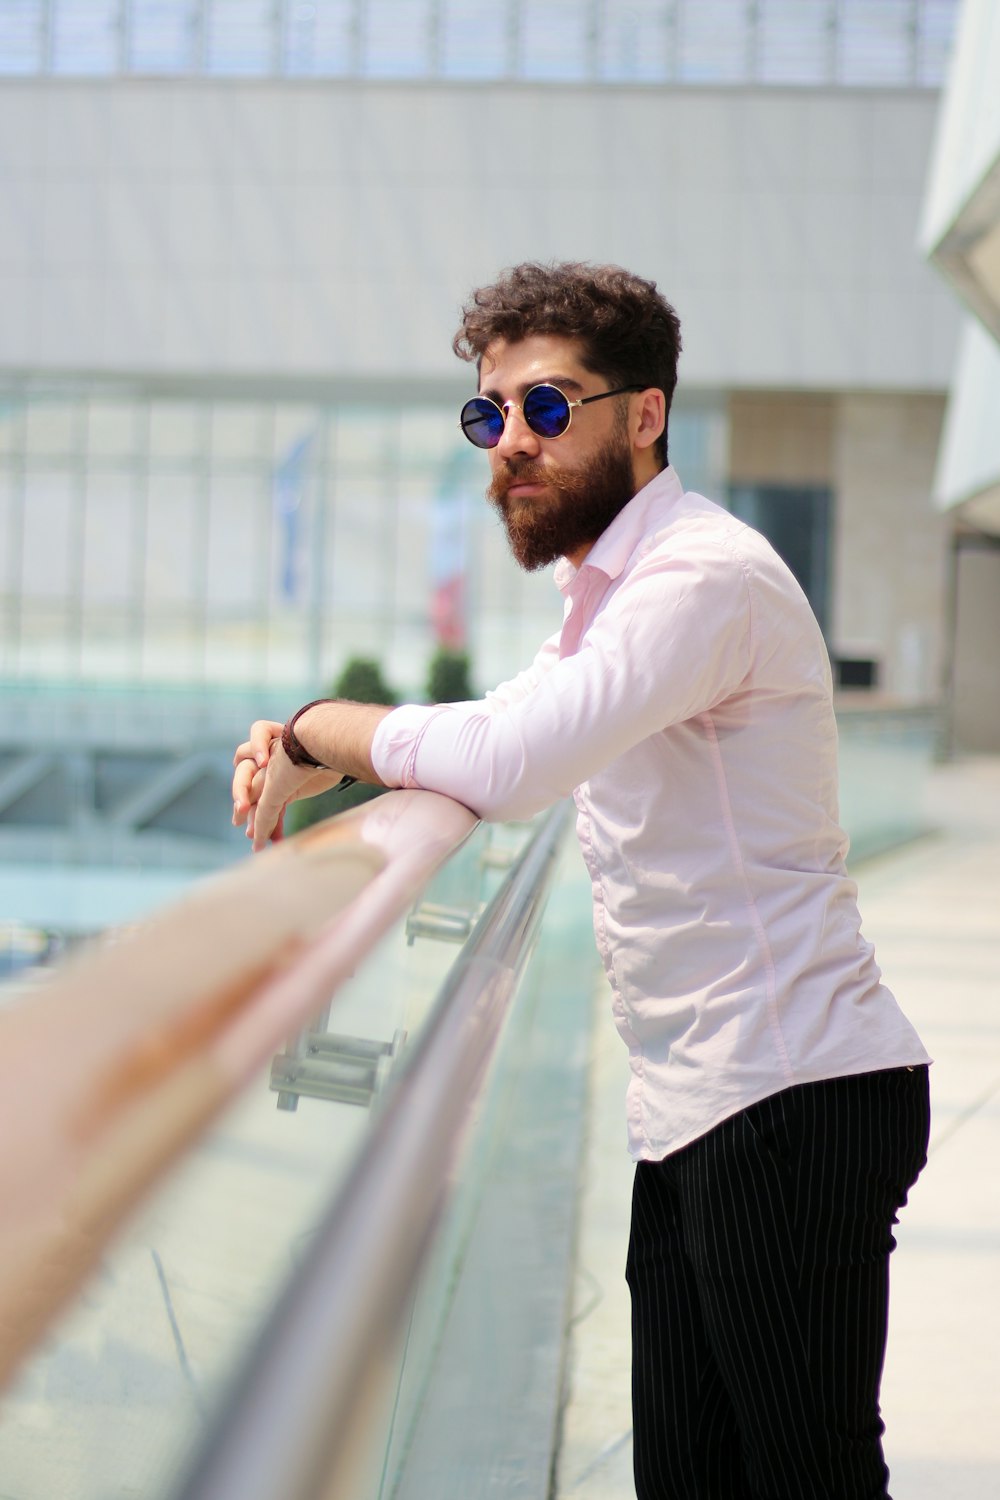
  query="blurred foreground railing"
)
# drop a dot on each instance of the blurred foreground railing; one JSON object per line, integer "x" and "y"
{"x": 283, "y": 1316}
{"x": 114, "y": 1065}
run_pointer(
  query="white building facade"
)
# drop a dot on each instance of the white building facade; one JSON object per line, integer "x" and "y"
{"x": 228, "y": 435}
{"x": 961, "y": 235}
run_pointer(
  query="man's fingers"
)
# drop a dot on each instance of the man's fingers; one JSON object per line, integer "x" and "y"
{"x": 247, "y": 783}
{"x": 266, "y": 817}
{"x": 251, "y": 758}
{"x": 263, "y": 733}
{"x": 262, "y": 736}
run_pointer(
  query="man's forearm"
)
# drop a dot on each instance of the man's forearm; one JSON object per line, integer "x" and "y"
{"x": 339, "y": 735}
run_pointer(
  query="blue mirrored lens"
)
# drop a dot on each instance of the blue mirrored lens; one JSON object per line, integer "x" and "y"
{"x": 546, "y": 411}
{"x": 482, "y": 422}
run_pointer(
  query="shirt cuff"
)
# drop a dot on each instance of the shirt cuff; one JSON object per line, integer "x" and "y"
{"x": 395, "y": 742}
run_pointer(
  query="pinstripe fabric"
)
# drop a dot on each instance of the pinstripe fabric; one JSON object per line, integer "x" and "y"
{"x": 758, "y": 1267}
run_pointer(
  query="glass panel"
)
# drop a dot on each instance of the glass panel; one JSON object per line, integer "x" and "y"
{"x": 124, "y": 1384}
{"x": 85, "y": 36}
{"x": 48, "y": 536}
{"x": 320, "y": 38}
{"x": 357, "y": 562}
{"x": 292, "y": 425}
{"x": 938, "y": 19}
{"x": 239, "y": 36}
{"x": 11, "y": 425}
{"x": 875, "y": 42}
{"x": 396, "y": 38}
{"x": 292, "y": 659}
{"x": 173, "y": 534}
{"x": 884, "y": 760}
{"x": 555, "y": 39}
{"x": 110, "y": 567}
{"x": 294, "y": 525}
{"x": 163, "y": 34}
{"x": 798, "y": 41}
{"x": 10, "y": 557}
{"x": 453, "y": 505}
{"x": 514, "y": 611}
{"x": 20, "y": 36}
{"x": 48, "y": 642}
{"x": 429, "y": 438}
{"x": 239, "y": 431}
{"x": 10, "y": 569}
{"x": 366, "y": 439}
{"x": 53, "y": 427}
{"x": 477, "y": 1326}
{"x": 793, "y": 41}
{"x": 713, "y": 42}
{"x": 176, "y": 430}
{"x": 238, "y": 527}
{"x": 637, "y": 41}
{"x": 111, "y": 429}
{"x": 698, "y": 444}
{"x": 474, "y": 39}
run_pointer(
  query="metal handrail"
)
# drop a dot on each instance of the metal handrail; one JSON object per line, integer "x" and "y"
{"x": 122, "y": 1057}
{"x": 292, "y": 1424}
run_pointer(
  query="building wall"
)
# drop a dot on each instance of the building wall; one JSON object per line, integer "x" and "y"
{"x": 975, "y": 704}
{"x": 287, "y": 257}
{"x": 876, "y": 453}
{"x": 891, "y": 545}
{"x": 328, "y": 230}
{"x": 781, "y": 438}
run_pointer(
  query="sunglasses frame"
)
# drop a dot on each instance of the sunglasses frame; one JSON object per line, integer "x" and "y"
{"x": 545, "y": 385}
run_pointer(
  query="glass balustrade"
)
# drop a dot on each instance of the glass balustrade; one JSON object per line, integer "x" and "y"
{"x": 124, "y": 1386}
{"x": 885, "y": 755}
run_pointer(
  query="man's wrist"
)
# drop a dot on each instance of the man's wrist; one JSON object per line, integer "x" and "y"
{"x": 293, "y": 747}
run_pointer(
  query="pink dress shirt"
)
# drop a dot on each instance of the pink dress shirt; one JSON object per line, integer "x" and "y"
{"x": 687, "y": 705}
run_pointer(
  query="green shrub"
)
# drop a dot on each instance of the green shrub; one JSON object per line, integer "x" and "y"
{"x": 448, "y": 677}
{"x": 361, "y": 681}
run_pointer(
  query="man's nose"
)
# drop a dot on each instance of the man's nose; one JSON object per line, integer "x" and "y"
{"x": 517, "y": 437}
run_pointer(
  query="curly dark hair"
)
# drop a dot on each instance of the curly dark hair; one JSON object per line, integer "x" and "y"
{"x": 627, "y": 331}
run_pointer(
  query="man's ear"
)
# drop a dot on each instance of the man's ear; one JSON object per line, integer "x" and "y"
{"x": 649, "y": 417}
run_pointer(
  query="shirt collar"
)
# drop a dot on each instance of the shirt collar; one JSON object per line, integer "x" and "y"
{"x": 645, "y": 512}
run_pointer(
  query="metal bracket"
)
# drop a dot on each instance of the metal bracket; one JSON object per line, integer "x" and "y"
{"x": 345, "y": 1069}
{"x": 452, "y": 924}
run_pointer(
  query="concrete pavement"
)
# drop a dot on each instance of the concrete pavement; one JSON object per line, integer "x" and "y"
{"x": 933, "y": 911}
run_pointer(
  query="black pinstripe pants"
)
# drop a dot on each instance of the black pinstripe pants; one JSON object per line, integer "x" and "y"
{"x": 758, "y": 1267}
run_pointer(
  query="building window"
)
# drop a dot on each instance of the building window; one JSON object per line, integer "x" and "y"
{"x": 796, "y": 519}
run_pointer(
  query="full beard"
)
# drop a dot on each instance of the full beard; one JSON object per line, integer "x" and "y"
{"x": 578, "y": 506}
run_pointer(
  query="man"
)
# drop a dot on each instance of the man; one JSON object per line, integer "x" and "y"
{"x": 777, "y": 1107}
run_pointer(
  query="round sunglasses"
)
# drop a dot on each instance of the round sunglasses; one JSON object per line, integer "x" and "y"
{"x": 545, "y": 409}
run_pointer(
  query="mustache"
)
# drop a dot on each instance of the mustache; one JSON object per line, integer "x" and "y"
{"x": 514, "y": 473}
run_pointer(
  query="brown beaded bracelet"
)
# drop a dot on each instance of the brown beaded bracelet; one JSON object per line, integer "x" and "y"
{"x": 292, "y": 745}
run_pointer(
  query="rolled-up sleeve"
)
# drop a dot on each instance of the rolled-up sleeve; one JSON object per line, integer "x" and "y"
{"x": 671, "y": 641}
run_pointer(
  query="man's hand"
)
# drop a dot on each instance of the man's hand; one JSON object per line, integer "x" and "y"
{"x": 265, "y": 782}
